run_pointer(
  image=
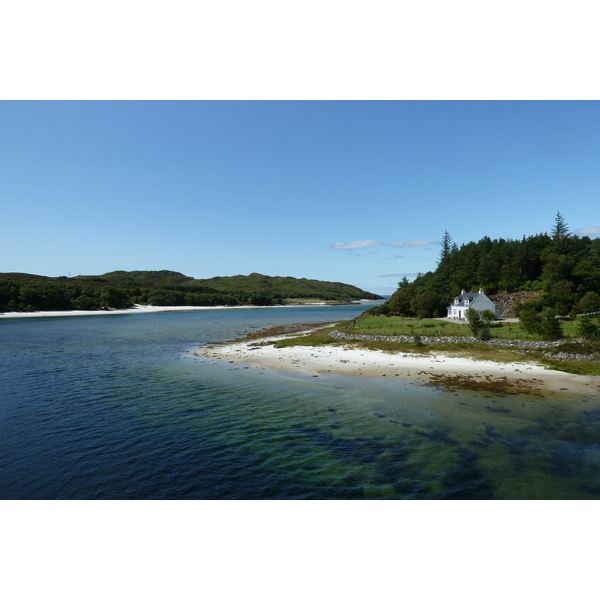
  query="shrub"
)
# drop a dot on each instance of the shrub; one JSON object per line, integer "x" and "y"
{"x": 484, "y": 334}
{"x": 530, "y": 319}
{"x": 488, "y": 316}
{"x": 550, "y": 328}
{"x": 590, "y": 302}
{"x": 479, "y": 325}
{"x": 587, "y": 328}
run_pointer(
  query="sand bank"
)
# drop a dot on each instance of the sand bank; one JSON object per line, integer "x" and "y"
{"x": 438, "y": 368}
{"x": 138, "y": 309}
{"x": 116, "y": 311}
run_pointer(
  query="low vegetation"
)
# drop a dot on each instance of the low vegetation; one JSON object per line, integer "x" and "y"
{"x": 369, "y": 325}
{"x": 311, "y": 339}
{"x": 321, "y": 329}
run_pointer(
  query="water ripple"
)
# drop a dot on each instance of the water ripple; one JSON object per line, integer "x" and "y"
{"x": 103, "y": 408}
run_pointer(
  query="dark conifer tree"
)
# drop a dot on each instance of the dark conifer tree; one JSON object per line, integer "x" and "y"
{"x": 560, "y": 229}
{"x": 446, "y": 248}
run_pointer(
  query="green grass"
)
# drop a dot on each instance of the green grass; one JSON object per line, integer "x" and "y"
{"x": 462, "y": 349}
{"x": 288, "y": 329}
{"x": 391, "y": 326}
{"x": 320, "y": 337}
{"x": 577, "y": 367}
{"x": 378, "y": 325}
{"x": 307, "y": 340}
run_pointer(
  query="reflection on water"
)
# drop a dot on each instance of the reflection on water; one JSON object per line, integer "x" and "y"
{"x": 120, "y": 407}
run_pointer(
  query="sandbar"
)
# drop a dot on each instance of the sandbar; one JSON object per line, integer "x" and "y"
{"x": 139, "y": 309}
{"x": 436, "y": 368}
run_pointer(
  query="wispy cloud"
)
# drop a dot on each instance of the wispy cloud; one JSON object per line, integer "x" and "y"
{"x": 356, "y": 245}
{"x": 414, "y": 244}
{"x": 374, "y": 243}
{"x": 589, "y": 231}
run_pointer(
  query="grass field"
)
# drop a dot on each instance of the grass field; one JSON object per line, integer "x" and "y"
{"x": 378, "y": 325}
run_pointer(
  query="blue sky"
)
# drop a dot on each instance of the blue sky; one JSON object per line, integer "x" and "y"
{"x": 354, "y": 191}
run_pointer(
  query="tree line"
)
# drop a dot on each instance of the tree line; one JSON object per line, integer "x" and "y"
{"x": 562, "y": 267}
{"x": 121, "y": 289}
{"x": 31, "y": 295}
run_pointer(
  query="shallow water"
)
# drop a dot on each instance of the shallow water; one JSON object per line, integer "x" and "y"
{"x": 120, "y": 407}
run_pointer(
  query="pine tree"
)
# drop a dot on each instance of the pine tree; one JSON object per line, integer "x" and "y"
{"x": 446, "y": 247}
{"x": 529, "y": 318}
{"x": 480, "y": 328}
{"x": 587, "y": 328}
{"x": 560, "y": 229}
{"x": 550, "y": 328}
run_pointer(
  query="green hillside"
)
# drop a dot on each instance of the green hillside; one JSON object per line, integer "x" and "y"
{"x": 123, "y": 289}
{"x": 126, "y": 279}
{"x": 288, "y": 287}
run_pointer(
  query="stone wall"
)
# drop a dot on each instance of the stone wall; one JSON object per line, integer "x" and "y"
{"x": 519, "y": 344}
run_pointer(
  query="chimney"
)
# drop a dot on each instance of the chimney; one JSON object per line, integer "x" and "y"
{"x": 462, "y": 291}
{"x": 480, "y": 291}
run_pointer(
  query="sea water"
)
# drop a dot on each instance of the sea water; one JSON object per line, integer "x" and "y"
{"x": 118, "y": 406}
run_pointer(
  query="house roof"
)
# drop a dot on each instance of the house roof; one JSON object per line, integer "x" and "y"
{"x": 464, "y": 296}
{"x": 470, "y": 296}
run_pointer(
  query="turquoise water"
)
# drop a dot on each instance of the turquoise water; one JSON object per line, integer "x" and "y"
{"x": 120, "y": 407}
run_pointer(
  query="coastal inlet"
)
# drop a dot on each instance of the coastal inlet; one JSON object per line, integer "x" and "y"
{"x": 121, "y": 407}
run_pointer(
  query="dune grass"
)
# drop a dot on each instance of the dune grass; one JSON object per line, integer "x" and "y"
{"x": 319, "y": 337}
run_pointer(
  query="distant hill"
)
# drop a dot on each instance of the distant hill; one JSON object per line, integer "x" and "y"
{"x": 138, "y": 278}
{"x": 122, "y": 289}
{"x": 288, "y": 287}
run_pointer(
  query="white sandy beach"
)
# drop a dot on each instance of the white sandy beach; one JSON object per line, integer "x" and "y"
{"x": 115, "y": 311}
{"x": 138, "y": 309}
{"x": 362, "y": 362}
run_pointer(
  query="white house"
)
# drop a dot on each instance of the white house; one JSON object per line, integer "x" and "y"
{"x": 477, "y": 300}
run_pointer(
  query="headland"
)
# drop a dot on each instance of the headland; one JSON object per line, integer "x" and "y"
{"x": 434, "y": 368}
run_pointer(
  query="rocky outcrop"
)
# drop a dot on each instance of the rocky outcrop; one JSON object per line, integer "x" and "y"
{"x": 507, "y": 302}
{"x": 569, "y": 356}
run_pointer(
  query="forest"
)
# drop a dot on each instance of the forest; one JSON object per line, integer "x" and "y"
{"x": 22, "y": 292}
{"x": 561, "y": 267}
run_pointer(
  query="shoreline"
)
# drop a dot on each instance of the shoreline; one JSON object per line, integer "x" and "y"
{"x": 144, "y": 309}
{"x": 452, "y": 372}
